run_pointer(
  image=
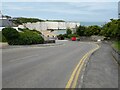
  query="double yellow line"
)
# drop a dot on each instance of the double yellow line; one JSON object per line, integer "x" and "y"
{"x": 74, "y": 77}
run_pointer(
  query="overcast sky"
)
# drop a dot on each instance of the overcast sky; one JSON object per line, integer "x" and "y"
{"x": 69, "y": 11}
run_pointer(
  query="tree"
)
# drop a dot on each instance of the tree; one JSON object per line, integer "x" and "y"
{"x": 93, "y": 30}
{"x": 61, "y": 37}
{"x": 80, "y": 30}
{"x": 111, "y": 29}
{"x": 69, "y": 31}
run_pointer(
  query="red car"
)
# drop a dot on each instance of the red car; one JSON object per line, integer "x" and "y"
{"x": 73, "y": 38}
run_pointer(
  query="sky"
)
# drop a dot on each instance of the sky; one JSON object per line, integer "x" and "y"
{"x": 68, "y": 11}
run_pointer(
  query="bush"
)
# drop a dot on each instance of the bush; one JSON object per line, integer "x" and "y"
{"x": 26, "y": 29}
{"x": 38, "y": 32}
{"x": 26, "y": 37}
{"x": 2, "y": 37}
{"x": 10, "y": 33}
{"x": 72, "y": 35}
{"x": 49, "y": 41}
{"x": 69, "y": 31}
{"x": 81, "y": 30}
{"x": 61, "y": 37}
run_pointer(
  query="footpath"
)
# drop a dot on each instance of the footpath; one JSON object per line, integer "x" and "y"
{"x": 101, "y": 70}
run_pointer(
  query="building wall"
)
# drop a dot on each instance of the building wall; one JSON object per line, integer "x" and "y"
{"x": 51, "y": 25}
{"x": 62, "y": 25}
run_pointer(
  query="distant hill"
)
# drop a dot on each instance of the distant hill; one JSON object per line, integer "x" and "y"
{"x": 21, "y": 20}
{"x": 55, "y": 20}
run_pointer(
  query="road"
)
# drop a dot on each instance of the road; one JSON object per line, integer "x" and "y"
{"x": 41, "y": 67}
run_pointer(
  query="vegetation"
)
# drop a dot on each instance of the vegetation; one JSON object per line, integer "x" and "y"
{"x": 26, "y": 37}
{"x": 22, "y": 20}
{"x": 10, "y": 33}
{"x": 2, "y": 37}
{"x": 72, "y": 35}
{"x": 67, "y": 35}
{"x": 26, "y": 29}
{"x": 111, "y": 29}
{"x": 81, "y": 30}
{"x": 69, "y": 31}
{"x": 55, "y": 20}
{"x": 61, "y": 37}
{"x": 88, "y": 31}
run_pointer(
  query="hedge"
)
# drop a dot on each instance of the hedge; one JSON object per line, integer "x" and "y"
{"x": 2, "y": 37}
{"x": 27, "y": 38}
{"x": 22, "y": 38}
{"x": 72, "y": 35}
{"x": 10, "y": 33}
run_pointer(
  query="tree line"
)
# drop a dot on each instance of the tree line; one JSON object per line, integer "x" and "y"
{"x": 110, "y": 29}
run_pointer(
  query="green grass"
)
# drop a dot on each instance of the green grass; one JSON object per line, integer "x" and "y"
{"x": 116, "y": 45}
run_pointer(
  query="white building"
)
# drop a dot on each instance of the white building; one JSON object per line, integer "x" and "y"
{"x": 51, "y": 25}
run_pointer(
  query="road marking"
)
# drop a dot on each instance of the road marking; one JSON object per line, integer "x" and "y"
{"x": 74, "y": 77}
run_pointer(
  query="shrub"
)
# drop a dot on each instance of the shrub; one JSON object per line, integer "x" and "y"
{"x": 10, "y": 33}
{"x": 69, "y": 31}
{"x": 2, "y": 37}
{"x": 49, "y": 41}
{"x": 26, "y": 29}
{"x": 72, "y": 35}
{"x": 26, "y": 37}
{"x": 61, "y": 37}
{"x": 38, "y": 32}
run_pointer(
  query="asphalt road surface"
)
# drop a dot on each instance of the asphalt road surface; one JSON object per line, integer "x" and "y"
{"x": 41, "y": 67}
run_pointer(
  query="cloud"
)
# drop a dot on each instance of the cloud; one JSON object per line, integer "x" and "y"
{"x": 60, "y": 0}
{"x": 12, "y": 6}
{"x": 64, "y": 10}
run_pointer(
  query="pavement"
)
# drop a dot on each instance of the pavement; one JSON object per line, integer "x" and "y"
{"x": 42, "y": 67}
{"x": 101, "y": 70}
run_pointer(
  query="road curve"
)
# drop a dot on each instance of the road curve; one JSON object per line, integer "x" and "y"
{"x": 38, "y": 67}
